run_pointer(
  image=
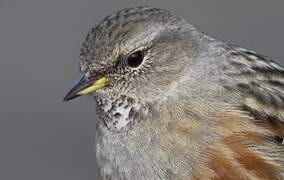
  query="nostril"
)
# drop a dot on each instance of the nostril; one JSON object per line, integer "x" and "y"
{"x": 93, "y": 74}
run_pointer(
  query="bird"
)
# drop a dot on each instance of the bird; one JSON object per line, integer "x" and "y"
{"x": 175, "y": 103}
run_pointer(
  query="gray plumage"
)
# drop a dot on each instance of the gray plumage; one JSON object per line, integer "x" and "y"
{"x": 176, "y": 112}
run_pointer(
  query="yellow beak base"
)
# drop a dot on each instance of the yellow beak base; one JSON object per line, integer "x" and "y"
{"x": 85, "y": 86}
{"x": 97, "y": 85}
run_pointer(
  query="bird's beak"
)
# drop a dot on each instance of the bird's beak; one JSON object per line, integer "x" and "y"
{"x": 86, "y": 86}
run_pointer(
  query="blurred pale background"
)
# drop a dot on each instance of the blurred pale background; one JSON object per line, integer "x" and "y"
{"x": 42, "y": 138}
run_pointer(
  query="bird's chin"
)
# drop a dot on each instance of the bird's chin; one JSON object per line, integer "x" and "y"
{"x": 117, "y": 111}
{"x": 103, "y": 95}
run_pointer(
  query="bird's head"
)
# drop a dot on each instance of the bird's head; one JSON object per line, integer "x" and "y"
{"x": 137, "y": 52}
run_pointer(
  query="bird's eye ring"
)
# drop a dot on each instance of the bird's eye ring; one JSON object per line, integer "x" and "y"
{"x": 135, "y": 59}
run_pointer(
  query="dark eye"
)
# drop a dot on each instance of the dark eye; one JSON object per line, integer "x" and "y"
{"x": 135, "y": 59}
